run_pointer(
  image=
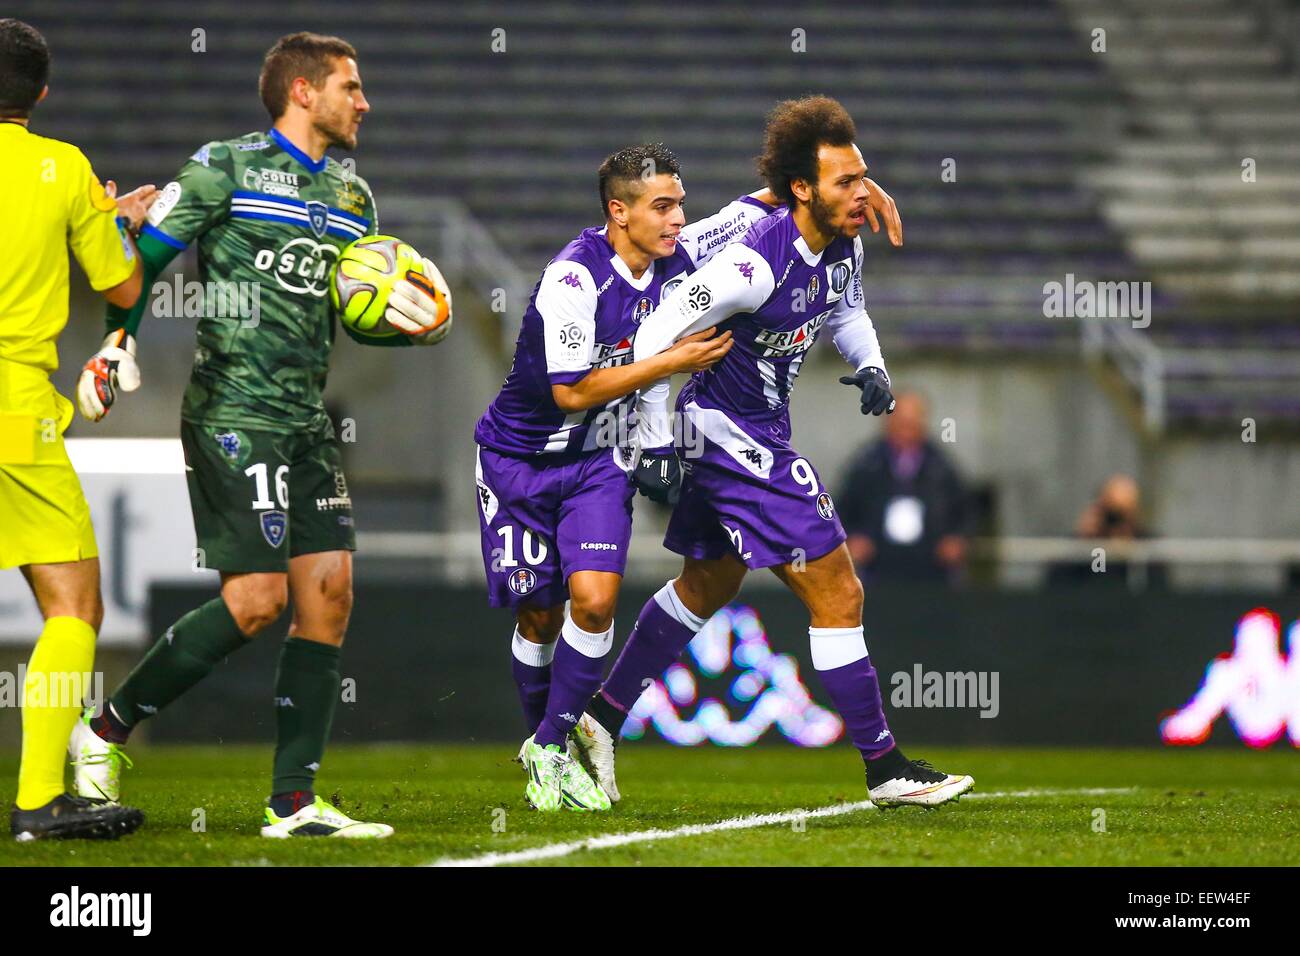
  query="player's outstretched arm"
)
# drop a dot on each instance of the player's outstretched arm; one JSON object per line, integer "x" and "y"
{"x": 704, "y": 238}
{"x": 736, "y": 279}
{"x": 854, "y": 335}
{"x": 881, "y": 205}
{"x": 114, "y": 367}
{"x": 694, "y": 353}
{"x": 168, "y": 221}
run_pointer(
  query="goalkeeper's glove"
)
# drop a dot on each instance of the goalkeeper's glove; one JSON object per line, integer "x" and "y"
{"x": 876, "y": 396}
{"x": 658, "y": 475}
{"x": 420, "y": 306}
{"x": 113, "y": 367}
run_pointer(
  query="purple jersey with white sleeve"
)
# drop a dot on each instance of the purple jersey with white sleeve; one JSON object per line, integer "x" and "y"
{"x": 746, "y": 489}
{"x": 775, "y": 296}
{"x": 583, "y": 315}
{"x": 552, "y": 499}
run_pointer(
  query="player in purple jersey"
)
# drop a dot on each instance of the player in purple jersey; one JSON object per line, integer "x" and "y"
{"x": 555, "y": 447}
{"x": 749, "y": 499}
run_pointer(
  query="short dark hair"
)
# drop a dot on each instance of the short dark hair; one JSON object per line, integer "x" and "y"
{"x": 309, "y": 55}
{"x": 24, "y": 68}
{"x": 796, "y": 129}
{"x": 623, "y": 174}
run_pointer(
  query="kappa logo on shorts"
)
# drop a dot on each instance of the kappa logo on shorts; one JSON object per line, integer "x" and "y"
{"x": 487, "y": 501}
{"x": 753, "y": 456}
{"x": 825, "y": 507}
{"x": 274, "y": 526}
{"x": 522, "y": 581}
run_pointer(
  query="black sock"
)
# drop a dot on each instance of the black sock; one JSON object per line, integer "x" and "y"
{"x": 287, "y": 804}
{"x": 609, "y": 716}
{"x": 886, "y": 767}
{"x": 108, "y": 726}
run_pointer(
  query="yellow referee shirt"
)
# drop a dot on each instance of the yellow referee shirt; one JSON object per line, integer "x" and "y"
{"x": 50, "y": 202}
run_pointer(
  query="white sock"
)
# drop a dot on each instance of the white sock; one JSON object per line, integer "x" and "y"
{"x": 585, "y": 642}
{"x": 834, "y": 647}
{"x": 534, "y": 655}
{"x": 666, "y": 597}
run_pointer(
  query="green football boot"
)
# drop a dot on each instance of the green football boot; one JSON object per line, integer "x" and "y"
{"x": 544, "y": 766}
{"x": 320, "y": 819}
{"x": 579, "y": 791}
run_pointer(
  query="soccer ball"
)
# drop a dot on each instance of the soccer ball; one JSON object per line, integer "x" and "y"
{"x": 363, "y": 277}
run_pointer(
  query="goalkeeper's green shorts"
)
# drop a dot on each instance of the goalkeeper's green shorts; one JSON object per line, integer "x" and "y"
{"x": 260, "y": 498}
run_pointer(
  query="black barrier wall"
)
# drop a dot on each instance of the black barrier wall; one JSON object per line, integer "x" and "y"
{"x": 1073, "y": 667}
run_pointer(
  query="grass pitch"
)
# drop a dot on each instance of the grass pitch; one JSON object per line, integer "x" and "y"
{"x": 1185, "y": 808}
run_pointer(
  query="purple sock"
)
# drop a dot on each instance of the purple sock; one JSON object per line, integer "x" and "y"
{"x": 840, "y": 658}
{"x": 575, "y": 675}
{"x": 661, "y": 633}
{"x": 531, "y": 664}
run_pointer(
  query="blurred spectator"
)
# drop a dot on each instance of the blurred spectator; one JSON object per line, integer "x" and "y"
{"x": 903, "y": 504}
{"x": 1115, "y": 513}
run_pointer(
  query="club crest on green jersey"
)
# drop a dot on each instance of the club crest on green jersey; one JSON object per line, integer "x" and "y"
{"x": 318, "y": 217}
{"x": 235, "y": 446}
{"x": 274, "y": 526}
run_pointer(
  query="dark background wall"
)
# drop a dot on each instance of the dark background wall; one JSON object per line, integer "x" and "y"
{"x": 1077, "y": 667}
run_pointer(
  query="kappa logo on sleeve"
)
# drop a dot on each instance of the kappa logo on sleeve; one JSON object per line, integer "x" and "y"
{"x": 572, "y": 280}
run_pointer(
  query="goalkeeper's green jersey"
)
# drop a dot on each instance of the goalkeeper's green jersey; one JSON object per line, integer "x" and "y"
{"x": 269, "y": 222}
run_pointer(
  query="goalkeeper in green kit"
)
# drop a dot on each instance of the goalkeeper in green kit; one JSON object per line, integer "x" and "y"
{"x": 270, "y": 213}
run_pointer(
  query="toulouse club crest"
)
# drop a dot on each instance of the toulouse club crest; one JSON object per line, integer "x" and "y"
{"x": 825, "y": 507}
{"x": 814, "y": 287}
{"x": 643, "y": 308}
{"x": 522, "y": 581}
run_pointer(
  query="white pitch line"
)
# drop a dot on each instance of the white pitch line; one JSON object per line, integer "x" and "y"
{"x": 610, "y": 840}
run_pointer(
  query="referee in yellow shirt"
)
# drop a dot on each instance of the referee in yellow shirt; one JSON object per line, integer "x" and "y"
{"x": 52, "y": 201}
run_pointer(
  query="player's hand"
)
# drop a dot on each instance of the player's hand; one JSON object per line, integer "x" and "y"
{"x": 876, "y": 396}
{"x": 658, "y": 475}
{"x": 135, "y": 204}
{"x": 113, "y": 367}
{"x": 420, "y": 306}
{"x": 879, "y": 201}
{"x": 700, "y": 351}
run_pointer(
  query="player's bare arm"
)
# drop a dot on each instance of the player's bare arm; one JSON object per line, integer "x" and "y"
{"x": 695, "y": 353}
